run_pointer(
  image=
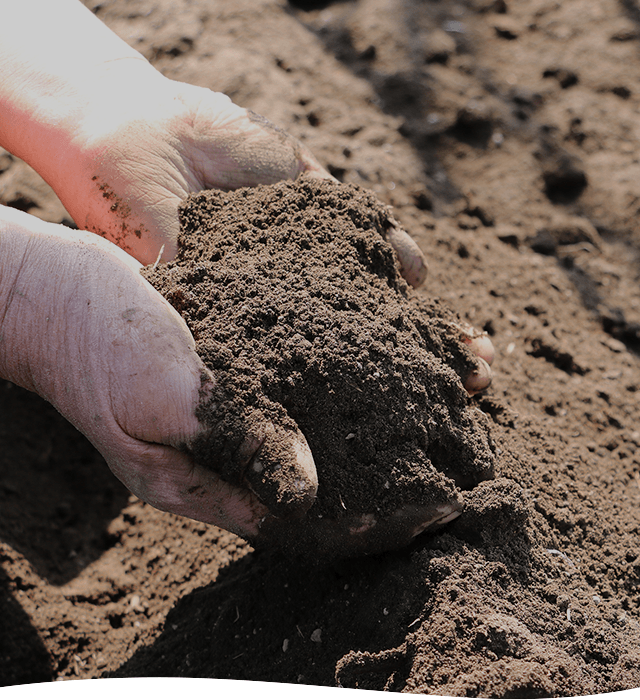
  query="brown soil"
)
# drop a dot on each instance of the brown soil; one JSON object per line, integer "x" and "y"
{"x": 296, "y": 305}
{"x": 505, "y": 136}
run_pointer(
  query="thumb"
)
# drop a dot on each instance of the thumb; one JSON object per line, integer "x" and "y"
{"x": 234, "y": 147}
{"x": 170, "y": 480}
{"x": 282, "y": 474}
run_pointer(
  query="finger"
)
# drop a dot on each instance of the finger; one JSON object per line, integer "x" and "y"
{"x": 308, "y": 164}
{"x": 411, "y": 261}
{"x": 479, "y": 379}
{"x": 236, "y": 147}
{"x": 171, "y": 481}
{"x": 480, "y": 344}
{"x": 282, "y": 473}
{"x": 482, "y": 347}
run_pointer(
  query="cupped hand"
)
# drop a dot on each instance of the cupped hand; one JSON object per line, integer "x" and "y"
{"x": 140, "y": 157}
{"x": 83, "y": 329}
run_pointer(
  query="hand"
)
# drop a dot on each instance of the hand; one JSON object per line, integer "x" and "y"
{"x": 133, "y": 154}
{"x": 82, "y": 328}
{"x": 136, "y": 166}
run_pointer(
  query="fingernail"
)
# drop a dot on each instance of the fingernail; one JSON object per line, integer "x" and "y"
{"x": 479, "y": 379}
{"x": 413, "y": 266}
{"x": 482, "y": 346}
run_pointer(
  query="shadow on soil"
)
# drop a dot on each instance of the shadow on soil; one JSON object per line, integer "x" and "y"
{"x": 58, "y": 495}
{"x": 272, "y": 619}
{"x": 412, "y": 95}
{"x": 23, "y": 658}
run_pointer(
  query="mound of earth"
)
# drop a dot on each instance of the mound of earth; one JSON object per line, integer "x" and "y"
{"x": 294, "y": 300}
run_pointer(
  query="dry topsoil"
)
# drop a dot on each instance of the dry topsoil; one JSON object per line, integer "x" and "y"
{"x": 505, "y": 136}
{"x": 294, "y": 300}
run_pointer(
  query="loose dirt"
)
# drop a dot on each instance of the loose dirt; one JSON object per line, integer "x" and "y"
{"x": 296, "y": 305}
{"x": 505, "y": 137}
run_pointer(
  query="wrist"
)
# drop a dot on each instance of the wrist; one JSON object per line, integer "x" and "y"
{"x": 45, "y": 74}
{"x": 86, "y": 146}
{"x": 53, "y": 128}
{"x": 114, "y": 150}
{"x": 60, "y": 91}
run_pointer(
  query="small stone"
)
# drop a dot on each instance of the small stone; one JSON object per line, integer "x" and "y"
{"x": 614, "y": 344}
{"x": 507, "y": 27}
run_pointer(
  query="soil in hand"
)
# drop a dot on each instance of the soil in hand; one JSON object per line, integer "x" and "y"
{"x": 504, "y": 136}
{"x": 294, "y": 299}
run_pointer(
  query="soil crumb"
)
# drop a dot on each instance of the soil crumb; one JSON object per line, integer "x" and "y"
{"x": 293, "y": 296}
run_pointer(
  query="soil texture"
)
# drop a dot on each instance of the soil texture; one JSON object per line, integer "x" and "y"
{"x": 296, "y": 305}
{"x": 505, "y": 136}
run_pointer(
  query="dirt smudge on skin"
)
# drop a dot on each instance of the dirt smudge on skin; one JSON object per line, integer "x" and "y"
{"x": 123, "y": 212}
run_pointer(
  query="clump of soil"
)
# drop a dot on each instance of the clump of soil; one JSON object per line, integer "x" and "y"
{"x": 293, "y": 296}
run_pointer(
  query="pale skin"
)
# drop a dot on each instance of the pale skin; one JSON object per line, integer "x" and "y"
{"x": 122, "y": 146}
